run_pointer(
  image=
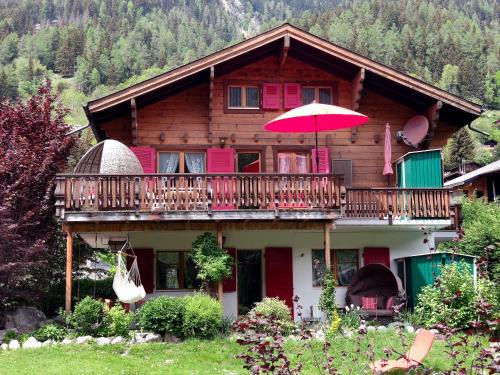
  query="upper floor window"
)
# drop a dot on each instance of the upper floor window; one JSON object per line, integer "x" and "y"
{"x": 321, "y": 95}
{"x": 243, "y": 96}
{"x": 181, "y": 162}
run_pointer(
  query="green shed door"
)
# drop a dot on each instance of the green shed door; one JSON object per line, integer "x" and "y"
{"x": 424, "y": 170}
{"x": 423, "y": 271}
{"x": 399, "y": 175}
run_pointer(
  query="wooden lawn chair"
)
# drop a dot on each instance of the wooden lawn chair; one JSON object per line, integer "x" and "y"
{"x": 413, "y": 358}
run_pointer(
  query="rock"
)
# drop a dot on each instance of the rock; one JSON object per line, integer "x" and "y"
{"x": 410, "y": 329}
{"x": 14, "y": 345}
{"x": 434, "y": 331}
{"x": 117, "y": 340}
{"x": 153, "y": 337}
{"x": 47, "y": 343}
{"x": 24, "y": 319}
{"x": 172, "y": 339}
{"x": 103, "y": 341}
{"x": 320, "y": 335}
{"x": 169, "y": 361}
{"x": 371, "y": 328}
{"x": 32, "y": 343}
{"x": 4, "y": 346}
{"x": 66, "y": 341}
{"x": 83, "y": 339}
{"x": 382, "y": 328}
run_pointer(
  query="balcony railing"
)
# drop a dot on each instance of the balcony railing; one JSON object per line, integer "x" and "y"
{"x": 398, "y": 203}
{"x": 196, "y": 192}
{"x": 157, "y": 193}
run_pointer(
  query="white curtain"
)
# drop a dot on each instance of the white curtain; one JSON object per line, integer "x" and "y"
{"x": 169, "y": 161}
{"x": 301, "y": 161}
{"x": 195, "y": 162}
{"x": 284, "y": 163}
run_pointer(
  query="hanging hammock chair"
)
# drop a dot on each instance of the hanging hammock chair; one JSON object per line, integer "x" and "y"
{"x": 127, "y": 283}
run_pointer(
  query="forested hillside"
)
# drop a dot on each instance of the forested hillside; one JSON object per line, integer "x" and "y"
{"x": 91, "y": 47}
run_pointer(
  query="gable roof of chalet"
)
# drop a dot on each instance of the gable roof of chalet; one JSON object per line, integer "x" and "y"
{"x": 301, "y": 45}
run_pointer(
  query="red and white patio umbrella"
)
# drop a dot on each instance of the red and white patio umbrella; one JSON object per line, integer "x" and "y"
{"x": 315, "y": 117}
{"x": 387, "y": 152}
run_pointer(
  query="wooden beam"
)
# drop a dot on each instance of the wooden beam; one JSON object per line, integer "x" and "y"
{"x": 211, "y": 103}
{"x": 357, "y": 89}
{"x": 284, "y": 51}
{"x": 133, "y": 117}
{"x": 92, "y": 227}
{"x": 220, "y": 289}
{"x": 356, "y": 92}
{"x": 69, "y": 264}
{"x": 432, "y": 115}
{"x": 326, "y": 234}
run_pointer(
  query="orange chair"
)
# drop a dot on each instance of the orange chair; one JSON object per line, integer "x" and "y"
{"x": 414, "y": 357}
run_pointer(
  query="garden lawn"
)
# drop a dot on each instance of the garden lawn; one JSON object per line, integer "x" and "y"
{"x": 192, "y": 357}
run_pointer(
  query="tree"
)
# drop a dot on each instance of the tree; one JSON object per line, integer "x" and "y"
{"x": 460, "y": 147}
{"x": 34, "y": 148}
{"x": 70, "y": 47}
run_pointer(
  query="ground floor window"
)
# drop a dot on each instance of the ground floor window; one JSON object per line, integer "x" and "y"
{"x": 344, "y": 262}
{"x": 174, "y": 270}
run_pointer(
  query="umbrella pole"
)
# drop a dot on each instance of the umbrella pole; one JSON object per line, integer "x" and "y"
{"x": 317, "y": 154}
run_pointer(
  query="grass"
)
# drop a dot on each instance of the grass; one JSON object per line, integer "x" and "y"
{"x": 192, "y": 357}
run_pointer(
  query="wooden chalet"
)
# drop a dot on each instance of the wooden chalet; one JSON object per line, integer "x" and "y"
{"x": 209, "y": 166}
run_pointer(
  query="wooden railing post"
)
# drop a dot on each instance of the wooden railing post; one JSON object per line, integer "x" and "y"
{"x": 220, "y": 289}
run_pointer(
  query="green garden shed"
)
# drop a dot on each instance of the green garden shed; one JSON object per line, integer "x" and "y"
{"x": 420, "y": 169}
{"x": 418, "y": 271}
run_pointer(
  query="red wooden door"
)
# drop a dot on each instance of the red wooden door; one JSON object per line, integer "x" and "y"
{"x": 279, "y": 274}
{"x": 377, "y": 255}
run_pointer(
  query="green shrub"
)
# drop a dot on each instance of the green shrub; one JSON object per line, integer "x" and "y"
{"x": 276, "y": 309}
{"x": 117, "y": 322}
{"x": 451, "y": 301}
{"x": 50, "y": 332}
{"x": 9, "y": 336}
{"x": 203, "y": 317}
{"x": 162, "y": 315}
{"x": 88, "y": 316}
{"x": 327, "y": 302}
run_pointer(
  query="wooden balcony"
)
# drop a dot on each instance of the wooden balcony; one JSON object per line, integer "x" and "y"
{"x": 91, "y": 197}
{"x": 203, "y": 193}
{"x": 397, "y": 203}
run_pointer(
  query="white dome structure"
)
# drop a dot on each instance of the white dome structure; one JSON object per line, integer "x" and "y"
{"x": 109, "y": 157}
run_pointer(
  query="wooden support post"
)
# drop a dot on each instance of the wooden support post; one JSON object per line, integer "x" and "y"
{"x": 284, "y": 51}
{"x": 69, "y": 264}
{"x": 211, "y": 103}
{"x": 432, "y": 115}
{"x": 356, "y": 92}
{"x": 326, "y": 234}
{"x": 220, "y": 290}
{"x": 133, "y": 117}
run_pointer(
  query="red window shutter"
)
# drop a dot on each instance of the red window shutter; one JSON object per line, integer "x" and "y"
{"x": 147, "y": 158}
{"x": 145, "y": 262}
{"x": 229, "y": 285}
{"x": 271, "y": 96}
{"x": 377, "y": 255}
{"x": 324, "y": 160}
{"x": 292, "y": 95}
{"x": 220, "y": 160}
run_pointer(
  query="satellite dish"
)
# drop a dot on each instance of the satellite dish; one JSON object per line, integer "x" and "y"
{"x": 414, "y": 131}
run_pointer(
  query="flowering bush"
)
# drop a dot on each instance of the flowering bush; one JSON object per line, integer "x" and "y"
{"x": 277, "y": 310}
{"x": 335, "y": 323}
{"x": 352, "y": 317}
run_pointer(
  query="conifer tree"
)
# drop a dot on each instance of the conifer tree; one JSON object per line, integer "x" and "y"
{"x": 461, "y": 147}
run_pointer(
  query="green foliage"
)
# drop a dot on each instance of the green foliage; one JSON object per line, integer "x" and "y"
{"x": 352, "y": 317}
{"x": 276, "y": 309}
{"x": 50, "y": 332}
{"x": 117, "y": 322}
{"x": 163, "y": 315}
{"x": 452, "y": 300}
{"x": 203, "y": 317}
{"x": 212, "y": 262}
{"x": 87, "y": 317}
{"x": 335, "y": 324}
{"x": 9, "y": 336}
{"x": 460, "y": 147}
{"x": 481, "y": 226}
{"x": 327, "y": 302}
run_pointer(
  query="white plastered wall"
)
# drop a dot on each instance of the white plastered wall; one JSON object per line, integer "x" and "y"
{"x": 401, "y": 242}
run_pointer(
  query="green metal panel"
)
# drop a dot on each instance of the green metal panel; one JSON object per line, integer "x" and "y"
{"x": 423, "y": 169}
{"x": 399, "y": 174}
{"x": 422, "y": 270}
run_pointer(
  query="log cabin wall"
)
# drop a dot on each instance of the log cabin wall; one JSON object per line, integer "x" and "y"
{"x": 182, "y": 121}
